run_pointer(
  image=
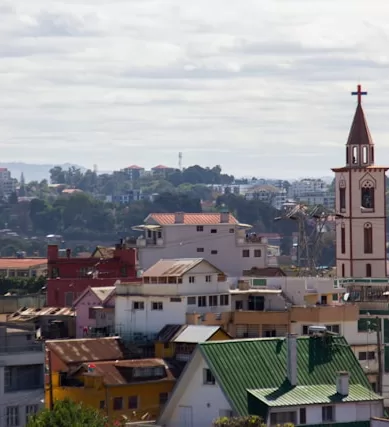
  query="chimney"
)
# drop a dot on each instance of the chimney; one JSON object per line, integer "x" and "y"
{"x": 68, "y": 252}
{"x": 52, "y": 252}
{"x": 224, "y": 217}
{"x": 179, "y": 218}
{"x": 291, "y": 341}
{"x": 342, "y": 383}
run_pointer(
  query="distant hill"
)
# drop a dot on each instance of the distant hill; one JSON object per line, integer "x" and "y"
{"x": 34, "y": 172}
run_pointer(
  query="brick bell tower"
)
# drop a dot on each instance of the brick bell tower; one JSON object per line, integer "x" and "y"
{"x": 360, "y": 205}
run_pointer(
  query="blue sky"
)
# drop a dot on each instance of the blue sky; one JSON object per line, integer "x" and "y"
{"x": 260, "y": 87}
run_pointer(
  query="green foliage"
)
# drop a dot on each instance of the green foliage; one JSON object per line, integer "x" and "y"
{"x": 250, "y": 421}
{"x": 21, "y": 285}
{"x": 70, "y": 414}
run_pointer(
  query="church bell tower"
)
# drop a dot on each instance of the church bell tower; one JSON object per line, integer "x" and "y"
{"x": 360, "y": 205}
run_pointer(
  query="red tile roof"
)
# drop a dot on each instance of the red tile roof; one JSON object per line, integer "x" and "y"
{"x": 359, "y": 132}
{"x": 191, "y": 218}
{"x": 115, "y": 372}
{"x": 22, "y": 263}
{"x": 161, "y": 167}
{"x": 134, "y": 167}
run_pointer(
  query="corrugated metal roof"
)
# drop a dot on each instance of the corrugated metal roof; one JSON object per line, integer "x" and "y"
{"x": 168, "y": 332}
{"x": 104, "y": 292}
{"x": 313, "y": 395}
{"x": 207, "y": 218}
{"x": 115, "y": 373}
{"x": 239, "y": 365}
{"x": 196, "y": 333}
{"x": 27, "y": 314}
{"x": 22, "y": 263}
{"x": 87, "y": 349}
{"x": 172, "y": 267}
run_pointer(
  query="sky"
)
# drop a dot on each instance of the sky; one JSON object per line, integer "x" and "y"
{"x": 262, "y": 88}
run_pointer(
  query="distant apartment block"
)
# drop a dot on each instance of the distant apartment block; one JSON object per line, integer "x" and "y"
{"x": 306, "y": 186}
{"x": 21, "y": 375}
{"x": 133, "y": 172}
{"x": 7, "y": 183}
{"x": 217, "y": 237}
{"x": 266, "y": 193}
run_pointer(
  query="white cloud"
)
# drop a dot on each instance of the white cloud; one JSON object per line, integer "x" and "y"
{"x": 262, "y": 88}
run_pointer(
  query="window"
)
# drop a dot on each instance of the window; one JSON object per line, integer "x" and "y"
{"x": 343, "y": 239}
{"x": 323, "y": 299}
{"x": 163, "y": 397}
{"x": 305, "y": 329}
{"x": 159, "y": 235}
{"x": 12, "y": 416}
{"x": 212, "y": 300}
{"x": 327, "y": 413}
{"x": 246, "y": 253}
{"x": 208, "y": 279}
{"x": 54, "y": 272}
{"x": 224, "y": 299}
{"x": 208, "y": 377}
{"x": 213, "y": 252}
{"x": 333, "y": 328}
{"x": 133, "y": 402}
{"x": 117, "y": 403}
{"x": 138, "y": 305}
{"x": 199, "y": 228}
{"x": 368, "y": 238}
{"x": 192, "y": 279}
{"x": 281, "y": 418}
{"x": 200, "y": 249}
{"x": 342, "y": 199}
{"x": 257, "y": 253}
{"x": 343, "y": 270}
{"x": 355, "y": 155}
{"x": 303, "y": 416}
{"x": 367, "y": 195}
{"x": 69, "y": 299}
{"x": 213, "y": 230}
{"x": 366, "y": 355}
{"x": 202, "y": 301}
{"x": 368, "y": 270}
{"x": 191, "y": 300}
{"x": 175, "y": 299}
{"x": 239, "y": 305}
{"x": 157, "y": 306}
{"x": 102, "y": 404}
{"x": 123, "y": 271}
{"x": 92, "y": 313}
{"x": 231, "y": 230}
{"x": 31, "y": 410}
{"x": 364, "y": 154}
{"x": 24, "y": 377}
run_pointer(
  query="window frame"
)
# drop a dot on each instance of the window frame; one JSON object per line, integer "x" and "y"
{"x": 157, "y": 306}
{"x": 245, "y": 253}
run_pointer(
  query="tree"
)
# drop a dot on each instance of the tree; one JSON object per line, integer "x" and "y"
{"x": 67, "y": 413}
{"x": 250, "y": 421}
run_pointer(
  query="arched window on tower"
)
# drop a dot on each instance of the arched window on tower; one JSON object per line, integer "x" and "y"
{"x": 342, "y": 195}
{"x": 364, "y": 155}
{"x": 347, "y": 155}
{"x": 343, "y": 271}
{"x": 355, "y": 155}
{"x": 372, "y": 154}
{"x": 367, "y": 195}
{"x": 368, "y": 270}
{"x": 368, "y": 238}
{"x": 343, "y": 239}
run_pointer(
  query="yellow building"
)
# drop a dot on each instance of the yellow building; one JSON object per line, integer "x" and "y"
{"x": 124, "y": 389}
{"x": 179, "y": 341}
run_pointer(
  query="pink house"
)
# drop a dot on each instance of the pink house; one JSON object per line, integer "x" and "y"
{"x": 95, "y": 312}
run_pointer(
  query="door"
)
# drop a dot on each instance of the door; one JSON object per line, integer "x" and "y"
{"x": 186, "y": 416}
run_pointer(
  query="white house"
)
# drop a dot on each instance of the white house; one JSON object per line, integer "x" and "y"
{"x": 308, "y": 380}
{"x": 217, "y": 237}
{"x": 169, "y": 290}
{"x": 21, "y": 375}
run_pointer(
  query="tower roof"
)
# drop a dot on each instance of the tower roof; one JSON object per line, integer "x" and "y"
{"x": 359, "y": 131}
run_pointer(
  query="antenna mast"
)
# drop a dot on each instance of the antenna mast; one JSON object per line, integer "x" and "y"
{"x": 180, "y": 161}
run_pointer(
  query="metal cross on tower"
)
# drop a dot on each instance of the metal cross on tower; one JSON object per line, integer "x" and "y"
{"x": 359, "y": 93}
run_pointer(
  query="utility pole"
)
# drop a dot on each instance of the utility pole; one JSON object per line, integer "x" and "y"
{"x": 50, "y": 382}
{"x": 379, "y": 355}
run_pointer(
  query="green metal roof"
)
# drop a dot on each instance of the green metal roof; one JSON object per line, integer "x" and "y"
{"x": 312, "y": 395}
{"x": 241, "y": 365}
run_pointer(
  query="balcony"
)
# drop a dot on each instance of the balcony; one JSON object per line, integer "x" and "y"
{"x": 243, "y": 317}
{"x": 325, "y": 313}
{"x": 26, "y": 348}
{"x": 250, "y": 240}
{"x": 142, "y": 242}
